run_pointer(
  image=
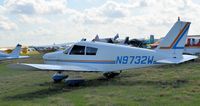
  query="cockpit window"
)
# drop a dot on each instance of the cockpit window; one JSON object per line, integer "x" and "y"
{"x": 67, "y": 50}
{"x": 78, "y": 50}
{"x": 91, "y": 51}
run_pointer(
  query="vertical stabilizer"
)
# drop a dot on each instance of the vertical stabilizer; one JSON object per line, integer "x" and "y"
{"x": 174, "y": 42}
{"x": 16, "y": 51}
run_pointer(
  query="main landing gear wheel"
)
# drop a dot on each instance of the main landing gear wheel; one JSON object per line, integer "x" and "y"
{"x": 109, "y": 75}
{"x": 58, "y": 77}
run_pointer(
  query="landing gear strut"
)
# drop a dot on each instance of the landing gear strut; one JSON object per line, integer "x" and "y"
{"x": 58, "y": 77}
{"x": 109, "y": 75}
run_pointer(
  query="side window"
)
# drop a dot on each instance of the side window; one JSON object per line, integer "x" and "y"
{"x": 91, "y": 51}
{"x": 78, "y": 50}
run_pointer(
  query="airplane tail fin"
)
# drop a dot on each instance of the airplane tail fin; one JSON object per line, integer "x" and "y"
{"x": 116, "y": 37}
{"x": 96, "y": 38}
{"x": 16, "y": 51}
{"x": 126, "y": 41}
{"x": 174, "y": 42}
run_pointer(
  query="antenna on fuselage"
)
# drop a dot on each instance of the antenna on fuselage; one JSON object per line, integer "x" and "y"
{"x": 83, "y": 39}
{"x": 179, "y": 18}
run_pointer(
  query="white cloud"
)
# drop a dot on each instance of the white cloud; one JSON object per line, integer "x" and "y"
{"x": 31, "y": 7}
{"x": 38, "y": 32}
{"x": 114, "y": 10}
{"x": 138, "y": 17}
{"x": 108, "y": 12}
{"x": 26, "y": 19}
{"x": 2, "y": 9}
{"x": 6, "y": 24}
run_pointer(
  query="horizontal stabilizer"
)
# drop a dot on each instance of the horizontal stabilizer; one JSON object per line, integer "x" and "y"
{"x": 177, "y": 60}
{"x": 23, "y": 57}
{"x": 49, "y": 67}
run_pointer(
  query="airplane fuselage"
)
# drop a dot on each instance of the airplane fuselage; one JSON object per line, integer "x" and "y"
{"x": 108, "y": 57}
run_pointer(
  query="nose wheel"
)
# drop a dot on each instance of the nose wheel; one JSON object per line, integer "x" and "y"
{"x": 58, "y": 77}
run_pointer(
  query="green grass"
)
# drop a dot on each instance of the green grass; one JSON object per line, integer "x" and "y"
{"x": 169, "y": 85}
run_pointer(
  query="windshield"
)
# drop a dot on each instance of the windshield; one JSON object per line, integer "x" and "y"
{"x": 66, "y": 51}
{"x": 78, "y": 50}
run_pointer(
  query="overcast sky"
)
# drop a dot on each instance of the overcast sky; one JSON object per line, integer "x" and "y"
{"x": 42, "y": 22}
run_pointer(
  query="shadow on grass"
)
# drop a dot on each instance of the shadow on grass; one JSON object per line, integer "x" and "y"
{"x": 117, "y": 82}
{"x": 53, "y": 89}
{"x": 49, "y": 90}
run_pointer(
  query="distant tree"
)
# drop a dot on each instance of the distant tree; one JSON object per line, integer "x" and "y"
{"x": 8, "y": 50}
{"x": 25, "y": 50}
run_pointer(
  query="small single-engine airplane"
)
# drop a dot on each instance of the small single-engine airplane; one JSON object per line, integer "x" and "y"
{"x": 15, "y": 54}
{"x": 111, "y": 59}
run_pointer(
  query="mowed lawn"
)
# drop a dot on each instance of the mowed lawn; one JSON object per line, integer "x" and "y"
{"x": 169, "y": 85}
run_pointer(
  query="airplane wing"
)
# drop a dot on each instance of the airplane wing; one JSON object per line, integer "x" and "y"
{"x": 23, "y": 57}
{"x": 177, "y": 60}
{"x": 49, "y": 67}
{"x": 10, "y": 57}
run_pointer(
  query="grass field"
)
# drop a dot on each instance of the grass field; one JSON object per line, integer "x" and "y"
{"x": 169, "y": 85}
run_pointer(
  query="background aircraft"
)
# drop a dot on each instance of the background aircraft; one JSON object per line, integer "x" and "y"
{"x": 106, "y": 40}
{"x": 15, "y": 54}
{"x": 109, "y": 59}
{"x": 51, "y": 48}
{"x": 142, "y": 43}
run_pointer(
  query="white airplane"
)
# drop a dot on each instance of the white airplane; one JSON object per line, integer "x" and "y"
{"x": 15, "y": 54}
{"x": 110, "y": 59}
